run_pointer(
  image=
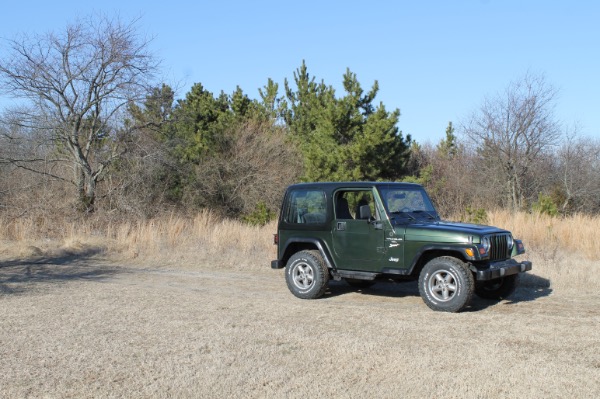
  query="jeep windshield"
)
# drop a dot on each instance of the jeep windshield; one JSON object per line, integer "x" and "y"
{"x": 407, "y": 204}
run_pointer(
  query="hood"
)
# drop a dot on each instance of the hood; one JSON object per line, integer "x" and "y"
{"x": 451, "y": 232}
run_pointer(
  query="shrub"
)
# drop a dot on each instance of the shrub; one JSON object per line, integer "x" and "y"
{"x": 260, "y": 216}
{"x": 545, "y": 205}
{"x": 477, "y": 216}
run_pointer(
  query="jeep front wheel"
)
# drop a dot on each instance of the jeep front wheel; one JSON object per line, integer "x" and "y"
{"x": 307, "y": 275}
{"x": 446, "y": 284}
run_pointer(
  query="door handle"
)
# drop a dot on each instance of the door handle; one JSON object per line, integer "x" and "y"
{"x": 341, "y": 226}
{"x": 377, "y": 224}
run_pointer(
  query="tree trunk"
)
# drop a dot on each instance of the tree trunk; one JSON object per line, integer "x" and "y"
{"x": 86, "y": 190}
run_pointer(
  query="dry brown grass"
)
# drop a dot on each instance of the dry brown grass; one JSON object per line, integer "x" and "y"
{"x": 576, "y": 234}
{"x": 84, "y": 328}
{"x": 170, "y": 239}
{"x": 148, "y": 238}
{"x": 189, "y": 308}
{"x": 564, "y": 250}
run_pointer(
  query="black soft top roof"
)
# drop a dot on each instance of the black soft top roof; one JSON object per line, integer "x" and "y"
{"x": 331, "y": 186}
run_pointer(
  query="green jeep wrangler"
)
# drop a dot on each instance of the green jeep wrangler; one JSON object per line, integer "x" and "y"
{"x": 366, "y": 231}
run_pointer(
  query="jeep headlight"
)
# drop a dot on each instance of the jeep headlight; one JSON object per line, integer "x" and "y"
{"x": 485, "y": 245}
{"x": 509, "y": 241}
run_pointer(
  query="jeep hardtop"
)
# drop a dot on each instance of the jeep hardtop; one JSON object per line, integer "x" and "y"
{"x": 362, "y": 232}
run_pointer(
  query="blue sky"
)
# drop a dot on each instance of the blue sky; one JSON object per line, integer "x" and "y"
{"x": 434, "y": 60}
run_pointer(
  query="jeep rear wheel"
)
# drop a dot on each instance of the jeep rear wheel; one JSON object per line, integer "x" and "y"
{"x": 307, "y": 275}
{"x": 498, "y": 288}
{"x": 446, "y": 284}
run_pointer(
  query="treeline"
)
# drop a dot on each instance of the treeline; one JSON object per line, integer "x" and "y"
{"x": 468, "y": 178}
{"x": 95, "y": 135}
{"x": 236, "y": 155}
{"x": 513, "y": 153}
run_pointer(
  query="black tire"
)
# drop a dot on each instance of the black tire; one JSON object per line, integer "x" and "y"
{"x": 499, "y": 288}
{"x": 446, "y": 284}
{"x": 360, "y": 284}
{"x": 307, "y": 275}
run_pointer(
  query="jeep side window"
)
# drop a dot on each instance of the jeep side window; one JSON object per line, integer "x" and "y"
{"x": 306, "y": 207}
{"x": 348, "y": 203}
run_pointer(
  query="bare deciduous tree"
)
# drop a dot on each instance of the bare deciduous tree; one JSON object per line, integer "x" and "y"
{"x": 511, "y": 131}
{"x": 76, "y": 85}
{"x": 579, "y": 174}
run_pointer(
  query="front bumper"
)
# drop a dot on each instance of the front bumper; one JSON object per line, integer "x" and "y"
{"x": 501, "y": 269}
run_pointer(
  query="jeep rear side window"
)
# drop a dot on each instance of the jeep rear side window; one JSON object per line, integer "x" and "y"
{"x": 306, "y": 207}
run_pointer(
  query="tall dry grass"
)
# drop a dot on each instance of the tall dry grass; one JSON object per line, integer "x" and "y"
{"x": 565, "y": 251}
{"x": 577, "y": 234}
{"x": 204, "y": 236}
{"x": 168, "y": 239}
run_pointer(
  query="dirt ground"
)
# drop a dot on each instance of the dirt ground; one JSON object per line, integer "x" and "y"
{"x": 77, "y": 327}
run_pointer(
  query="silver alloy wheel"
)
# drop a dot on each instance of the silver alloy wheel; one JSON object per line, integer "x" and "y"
{"x": 303, "y": 276}
{"x": 443, "y": 285}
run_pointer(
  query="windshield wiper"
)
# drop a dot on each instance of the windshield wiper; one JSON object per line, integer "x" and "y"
{"x": 431, "y": 216}
{"x": 403, "y": 214}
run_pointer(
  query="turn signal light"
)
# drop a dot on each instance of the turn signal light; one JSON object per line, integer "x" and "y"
{"x": 520, "y": 247}
{"x": 470, "y": 252}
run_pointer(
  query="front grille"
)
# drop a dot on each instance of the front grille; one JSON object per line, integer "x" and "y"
{"x": 499, "y": 247}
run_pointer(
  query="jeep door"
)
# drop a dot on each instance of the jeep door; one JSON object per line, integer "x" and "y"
{"x": 358, "y": 243}
{"x": 406, "y": 206}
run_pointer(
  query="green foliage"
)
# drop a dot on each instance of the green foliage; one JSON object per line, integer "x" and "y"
{"x": 271, "y": 104}
{"x": 211, "y": 141}
{"x": 476, "y": 215}
{"x": 424, "y": 178}
{"x": 156, "y": 108}
{"x": 412, "y": 179}
{"x": 345, "y": 138}
{"x": 545, "y": 205}
{"x": 199, "y": 121}
{"x": 260, "y": 216}
{"x": 448, "y": 146}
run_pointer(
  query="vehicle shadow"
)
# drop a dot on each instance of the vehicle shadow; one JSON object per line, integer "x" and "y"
{"x": 19, "y": 276}
{"x": 531, "y": 287}
{"x": 384, "y": 288}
